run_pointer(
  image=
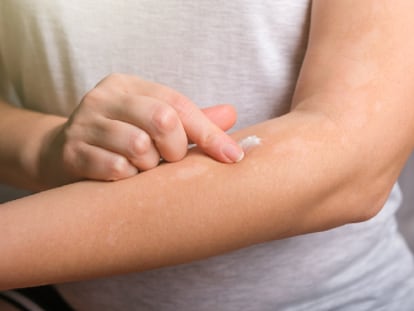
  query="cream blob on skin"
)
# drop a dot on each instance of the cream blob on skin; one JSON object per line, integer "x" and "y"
{"x": 249, "y": 142}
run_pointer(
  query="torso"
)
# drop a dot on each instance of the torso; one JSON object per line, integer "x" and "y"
{"x": 247, "y": 53}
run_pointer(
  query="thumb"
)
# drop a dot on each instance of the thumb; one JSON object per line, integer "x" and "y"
{"x": 224, "y": 116}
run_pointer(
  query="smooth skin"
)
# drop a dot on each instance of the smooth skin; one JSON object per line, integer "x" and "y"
{"x": 121, "y": 127}
{"x": 350, "y": 128}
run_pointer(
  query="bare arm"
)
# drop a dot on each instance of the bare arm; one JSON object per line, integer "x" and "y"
{"x": 122, "y": 126}
{"x": 22, "y": 133}
{"x": 350, "y": 129}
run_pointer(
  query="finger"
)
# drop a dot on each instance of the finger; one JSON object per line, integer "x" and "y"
{"x": 208, "y": 136}
{"x": 159, "y": 120}
{"x": 92, "y": 162}
{"x": 224, "y": 115}
{"x": 127, "y": 140}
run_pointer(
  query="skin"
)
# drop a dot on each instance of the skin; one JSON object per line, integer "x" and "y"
{"x": 122, "y": 126}
{"x": 7, "y": 307}
{"x": 350, "y": 128}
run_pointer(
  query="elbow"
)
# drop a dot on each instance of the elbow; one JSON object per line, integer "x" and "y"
{"x": 370, "y": 209}
{"x": 371, "y": 199}
{"x": 355, "y": 200}
{"x": 351, "y": 202}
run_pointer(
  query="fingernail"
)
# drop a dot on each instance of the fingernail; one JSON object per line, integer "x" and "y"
{"x": 233, "y": 152}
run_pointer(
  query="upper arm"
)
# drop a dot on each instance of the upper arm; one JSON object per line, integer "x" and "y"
{"x": 355, "y": 44}
{"x": 360, "y": 57}
{"x": 358, "y": 71}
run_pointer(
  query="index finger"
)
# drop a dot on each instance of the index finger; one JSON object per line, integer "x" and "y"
{"x": 199, "y": 129}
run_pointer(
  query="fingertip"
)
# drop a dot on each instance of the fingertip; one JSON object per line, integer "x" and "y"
{"x": 120, "y": 169}
{"x": 233, "y": 152}
{"x": 131, "y": 171}
{"x": 178, "y": 155}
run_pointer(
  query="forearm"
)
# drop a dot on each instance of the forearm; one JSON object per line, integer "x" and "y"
{"x": 298, "y": 180}
{"x": 22, "y": 133}
{"x": 331, "y": 161}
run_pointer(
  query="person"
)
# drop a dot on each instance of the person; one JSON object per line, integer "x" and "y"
{"x": 305, "y": 221}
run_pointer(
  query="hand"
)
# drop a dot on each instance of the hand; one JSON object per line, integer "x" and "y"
{"x": 125, "y": 125}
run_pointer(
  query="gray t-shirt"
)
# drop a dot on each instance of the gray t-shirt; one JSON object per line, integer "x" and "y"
{"x": 243, "y": 52}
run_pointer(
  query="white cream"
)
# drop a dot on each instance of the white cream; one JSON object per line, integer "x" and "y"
{"x": 249, "y": 142}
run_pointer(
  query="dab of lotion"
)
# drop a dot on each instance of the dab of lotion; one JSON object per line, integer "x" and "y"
{"x": 249, "y": 142}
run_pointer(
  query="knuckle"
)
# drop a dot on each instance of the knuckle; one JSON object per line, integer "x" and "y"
{"x": 68, "y": 156}
{"x": 73, "y": 157}
{"x": 117, "y": 167}
{"x": 118, "y": 83}
{"x": 72, "y": 131}
{"x": 165, "y": 118}
{"x": 140, "y": 143}
{"x": 91, "y": 99}
{"x": 178, "y": 101}
{"x": 207, "y": 140}
{"x": 181, "y": 103}
{"x": 115, "y": 84}
{"x": 115, "y": 77}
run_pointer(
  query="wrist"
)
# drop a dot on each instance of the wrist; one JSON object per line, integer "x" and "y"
{"x": 35, "y": 150}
